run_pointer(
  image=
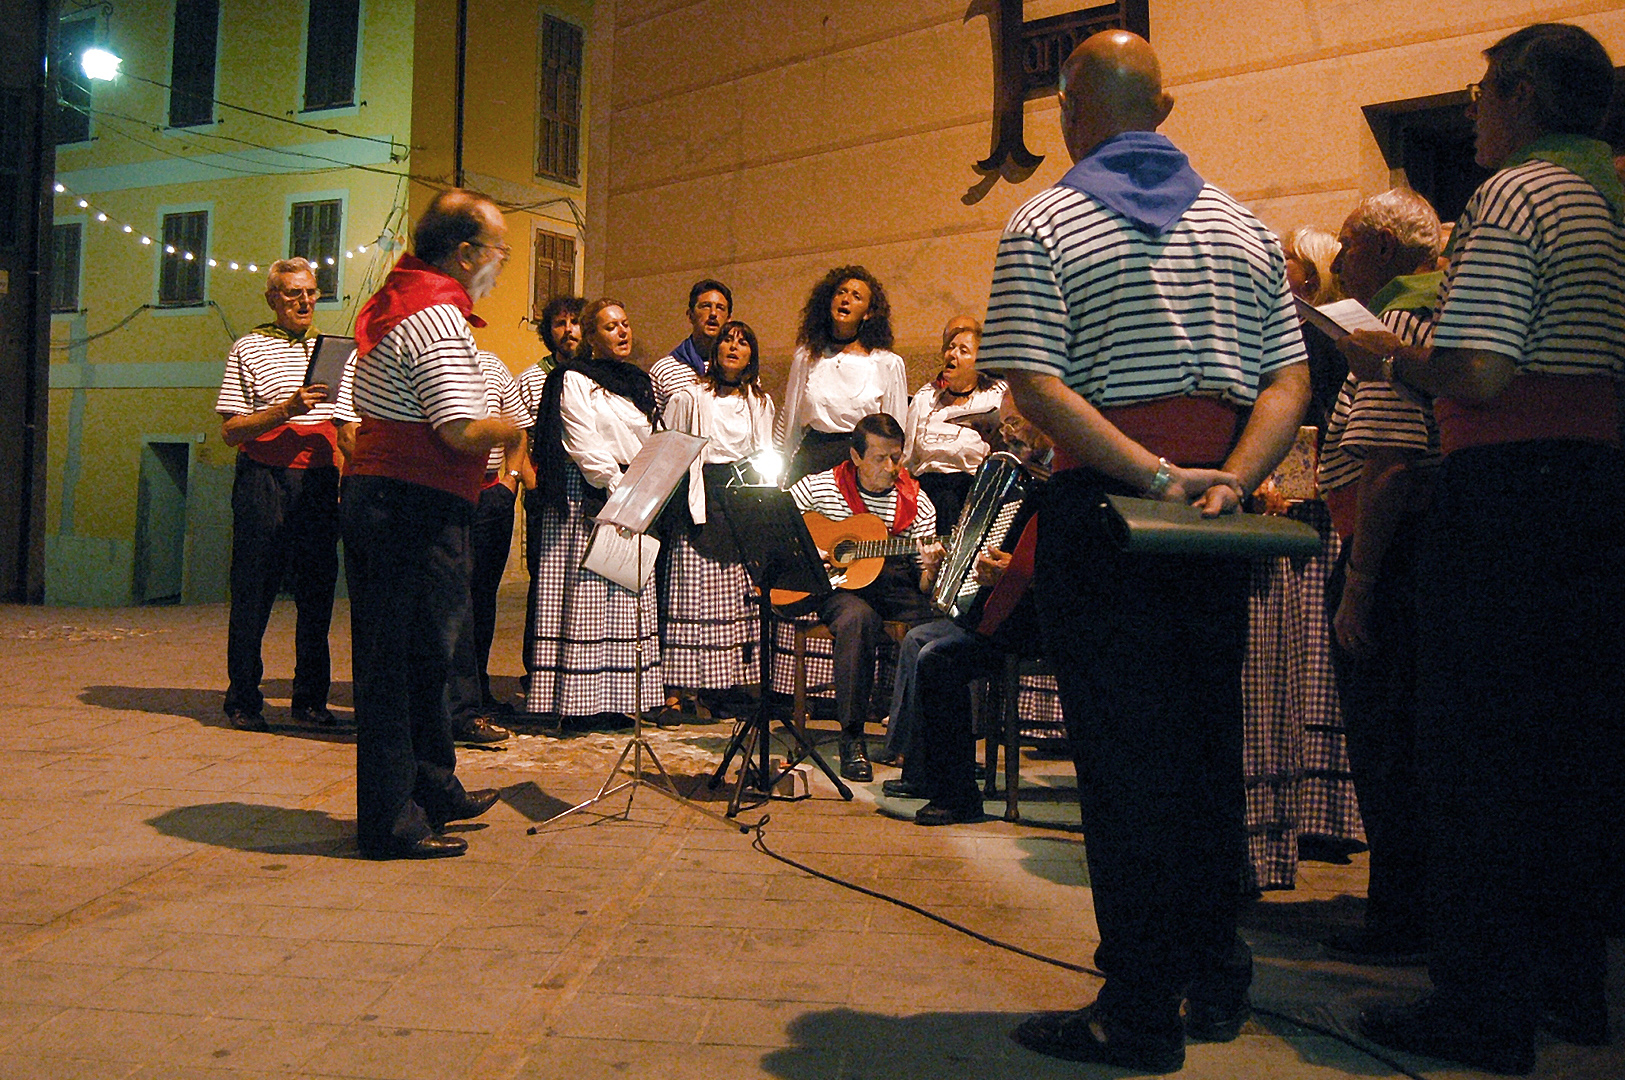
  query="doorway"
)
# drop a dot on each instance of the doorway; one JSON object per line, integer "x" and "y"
{"x": 160, "y": 535}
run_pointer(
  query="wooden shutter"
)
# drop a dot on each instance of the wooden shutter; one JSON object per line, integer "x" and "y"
{"x": 555, "y": 273}
{"x": 180, "y": 280}
{"x": 314, "y": 229}
{"x": 330, "y": 53}
{"x": 65, "y": 243}
{"x": 558, "y": 135}
{"x": 191, "y": 69}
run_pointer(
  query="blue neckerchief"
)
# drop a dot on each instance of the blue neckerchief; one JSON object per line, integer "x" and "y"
{"x": 1142, "y": 176}
{"x": 688, "y": 354}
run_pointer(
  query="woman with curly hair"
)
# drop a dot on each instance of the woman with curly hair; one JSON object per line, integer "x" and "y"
{"x": 843, "y": 370}
{"x": 597, "y": 411}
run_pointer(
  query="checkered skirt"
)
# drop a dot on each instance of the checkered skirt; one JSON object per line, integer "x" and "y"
{"x": 708, "y": 628}
{"x": 586, "y": 627}
{"x": 1296, "y": 762}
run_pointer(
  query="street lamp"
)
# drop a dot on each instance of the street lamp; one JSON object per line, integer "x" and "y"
{"x": 100, "y": 65}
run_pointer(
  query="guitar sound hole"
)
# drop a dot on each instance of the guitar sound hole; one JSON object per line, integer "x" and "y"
{"x": 842, "y": 552}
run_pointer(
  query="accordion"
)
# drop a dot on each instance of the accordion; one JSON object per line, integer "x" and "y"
{"x": 989, "y": 519}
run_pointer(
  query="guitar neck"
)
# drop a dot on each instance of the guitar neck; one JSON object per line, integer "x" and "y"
{"x": 881, "y": 549}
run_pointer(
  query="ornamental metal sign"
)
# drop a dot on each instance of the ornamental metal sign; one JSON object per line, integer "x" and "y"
{"x": 1027, "y": 59}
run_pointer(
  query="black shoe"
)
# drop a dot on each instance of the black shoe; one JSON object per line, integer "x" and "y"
{"x": 855, "y": 760}
{"x": 1086, "y": 1035}
{"x": 432, "y": 846}
{"x": 480, "y": 730}
{"x": 904, "y": 789}
{"x": 247, "y": 721}
{"x": 1484, "y": 1040}
{"x": 317, "y": 715}
{"x": 474, "y": 804}
{"x": 1209, "y": 1021}
{"x": 1379, "y": 948}
{"x": 949, "y": 813}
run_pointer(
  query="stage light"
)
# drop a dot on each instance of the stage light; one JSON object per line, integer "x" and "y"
{"x": 761, "y": 469}
{"x": 100, "y": 65}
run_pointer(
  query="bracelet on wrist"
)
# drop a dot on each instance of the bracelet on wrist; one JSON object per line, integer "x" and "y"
{"x": 1160, "y": 481}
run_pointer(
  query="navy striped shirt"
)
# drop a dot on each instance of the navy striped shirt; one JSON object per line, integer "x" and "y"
{"x": 1373, "y": 415}
{"x": 1122, "y": 317}
{"x": 1538, "y": 275}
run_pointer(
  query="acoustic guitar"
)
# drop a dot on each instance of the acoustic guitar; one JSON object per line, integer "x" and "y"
{"x": 856, "y": 548}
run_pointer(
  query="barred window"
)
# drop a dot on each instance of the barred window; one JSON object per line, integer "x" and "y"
{"x": 180, "y": 271}
{"x": 66, "y": 240}
{"x": 331, "y": 41}
{"x": 558, "y": 135}
{"x": 191, "y": 68}
{"x": 314, "y": 229}
{"x": 555, "y": 270}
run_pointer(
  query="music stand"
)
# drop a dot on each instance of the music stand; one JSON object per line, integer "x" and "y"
{"x": 778, "y": 552}
{"x": 635, "y": 504}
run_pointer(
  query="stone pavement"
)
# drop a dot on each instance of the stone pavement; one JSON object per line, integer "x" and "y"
{"x": 181, "y": 900}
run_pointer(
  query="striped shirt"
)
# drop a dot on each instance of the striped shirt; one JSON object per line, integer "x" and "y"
{"x": 531, "y": 383}
{"x": 1122, "y": 317}
{"x": 819, "y": 491}
{"x": 501, "y": 399}
{"x": 424, "y": 370}
{"x": 265, "y": 369}
{"x": 1538, "y": 275}
{"x": 669, "y": 375}
{"x": 1372, "y": 415}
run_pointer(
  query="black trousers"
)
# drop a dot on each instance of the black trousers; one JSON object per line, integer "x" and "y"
{"x": 281, "y": 518}
{"x": 489, "y": 538}
{"x": 1378, "y": 695}
{"x": 856, "y": 621}
{"x": 943, "y": 756}
{"x": 1520, "y": 739}
{"x": 532, "y": 499}
{"x": 1147, "y": 652}
{"x": 406, "y": 554}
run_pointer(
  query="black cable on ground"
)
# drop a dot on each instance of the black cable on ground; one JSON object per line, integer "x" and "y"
{"x": 759, "y": 842}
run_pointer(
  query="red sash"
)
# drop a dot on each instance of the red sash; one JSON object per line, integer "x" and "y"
{"x": 410, "y": 288}
{"x": 907, "y": 488}
{"x": 415, "y": 454}
{"x": 1185, "y": 430}
{"x": 1009, "y": 590}
{"x": 295, "y": 446}
{"x": 1578, "y": 407}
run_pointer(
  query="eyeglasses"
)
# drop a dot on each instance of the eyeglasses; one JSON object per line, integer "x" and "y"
{"x": 1474, "y": 92}
{"x": 504, "y": 249}
{"x": 295, "y": 294}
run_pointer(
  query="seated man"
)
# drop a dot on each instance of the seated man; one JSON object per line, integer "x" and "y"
{"x": 931, "y": 709}
{"x": 871, "y": 481}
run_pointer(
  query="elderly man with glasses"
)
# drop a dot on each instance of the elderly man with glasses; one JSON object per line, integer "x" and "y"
{"x": 284, "y": 500}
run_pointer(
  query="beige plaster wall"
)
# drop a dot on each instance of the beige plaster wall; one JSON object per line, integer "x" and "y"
{"x": 847, "y": 131}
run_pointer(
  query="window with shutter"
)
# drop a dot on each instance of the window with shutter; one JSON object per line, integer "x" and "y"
{"x": 74, "y": 36}
{"x": 314, "y": 229}
{"x": 191, "y": 69}
{"x": 331, "y": 41}
{"x": 180, "y": 271}
{"x": 66, "y": 240}
{"x": 558, "y": 134}
{"x": 555, "y": 272}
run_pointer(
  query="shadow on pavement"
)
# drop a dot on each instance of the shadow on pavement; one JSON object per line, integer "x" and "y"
{"x": 271, "y": 830}
{"x": 204, "y": 707}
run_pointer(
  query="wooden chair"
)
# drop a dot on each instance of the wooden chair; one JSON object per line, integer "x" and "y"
{"x": 1002, "y": 724}
{"x": 805, "y": 630}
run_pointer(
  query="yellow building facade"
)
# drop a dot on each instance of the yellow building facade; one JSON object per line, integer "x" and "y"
{"x": 138, "y": 506}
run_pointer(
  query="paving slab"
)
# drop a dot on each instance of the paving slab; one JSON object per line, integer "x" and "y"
{"x": 182, "y": 900}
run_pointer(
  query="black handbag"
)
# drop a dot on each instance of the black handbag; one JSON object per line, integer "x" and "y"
{"x": 1153, "y": 527}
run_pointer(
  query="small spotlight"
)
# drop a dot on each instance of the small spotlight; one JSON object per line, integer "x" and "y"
{"x": 100, "y": 65}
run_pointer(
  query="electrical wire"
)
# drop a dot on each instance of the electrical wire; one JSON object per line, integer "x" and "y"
{"x": 231, "y": 335}
{"x": 121, "y": 324}
{"x": 759, "y": 842}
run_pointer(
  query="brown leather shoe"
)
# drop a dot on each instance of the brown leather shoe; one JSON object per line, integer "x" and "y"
{"x": 473, "y": 805}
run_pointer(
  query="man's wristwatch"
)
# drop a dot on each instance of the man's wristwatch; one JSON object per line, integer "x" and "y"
{"x": 1159, "y": 482}
{"x": 1388, "y": 369}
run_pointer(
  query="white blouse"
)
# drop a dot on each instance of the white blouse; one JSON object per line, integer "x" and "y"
{"x": 835, "y": 391}
{"x": 602, "y": 431}
{"x": 936, "y": 437}
{"x": 736, "y": 426}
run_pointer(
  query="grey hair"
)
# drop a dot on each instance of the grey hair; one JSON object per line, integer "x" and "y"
{"x": 1408, "y": 217}
{"x": 283, "y": 267}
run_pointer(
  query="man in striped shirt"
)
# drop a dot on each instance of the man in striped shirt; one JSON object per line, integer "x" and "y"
{"x": 1521, "y": 647}
{"x": 1376, "y": 468}
{"x": 871, "y": 481}
{"x": 710, "y": 304}
{"x": 414, "y": 481}
{"x": 490, "y": 537}
{"x": 1142, "y": 319}
{"x": 284, "y": 499}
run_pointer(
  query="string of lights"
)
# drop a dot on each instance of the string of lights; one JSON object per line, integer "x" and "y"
{"x": 384, "y": 240}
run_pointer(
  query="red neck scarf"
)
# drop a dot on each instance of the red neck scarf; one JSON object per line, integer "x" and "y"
{"x": 907, "y": 488}
{"x": 410, "y": 288}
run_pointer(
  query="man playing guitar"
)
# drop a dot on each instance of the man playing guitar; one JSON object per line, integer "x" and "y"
{"x": 871, "y": 481}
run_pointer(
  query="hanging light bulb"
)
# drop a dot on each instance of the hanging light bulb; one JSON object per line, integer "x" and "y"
{"x": 101, "y": 217}
{"x": 60, "y": 189}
